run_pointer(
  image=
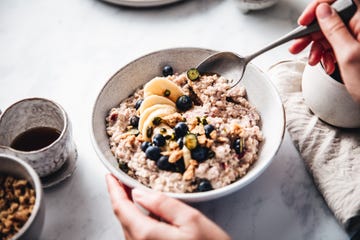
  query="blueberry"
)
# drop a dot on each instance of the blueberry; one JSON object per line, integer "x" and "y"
{"x": 204, "y": 185}
{"x": 200, "y": 154}
{"x": 180, "y": 142}
{"x": 184, "y": 103}
{"x": 145, "y": 145}
{"x": 159, "y": 140}
{"x": 167, "y": 70}
{"x": 138, "y": 103}
{"x": 134, "y": 121}
{"x": 163, "y": 163}
{"x": 238, "y": 145}
{"x": 181, "y": 129}
{"x": 153, "y": 153}
{"x": 208, "y": 129}
{"x": 180, "y": 166}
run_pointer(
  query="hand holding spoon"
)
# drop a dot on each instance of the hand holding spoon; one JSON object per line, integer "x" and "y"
{"x": 232, "y": 66}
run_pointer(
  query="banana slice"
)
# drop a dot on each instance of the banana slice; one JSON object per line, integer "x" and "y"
{"x": 146, "y": 113}
{"x": 148, "y": 123}
{"x": 163, "y": 87}
{"x": 152, "y": 100}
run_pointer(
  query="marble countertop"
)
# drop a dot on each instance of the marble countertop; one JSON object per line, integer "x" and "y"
{"x": 66, "y": 50}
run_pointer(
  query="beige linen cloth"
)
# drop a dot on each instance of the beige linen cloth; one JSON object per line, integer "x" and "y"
{"x": 332, "y": 155}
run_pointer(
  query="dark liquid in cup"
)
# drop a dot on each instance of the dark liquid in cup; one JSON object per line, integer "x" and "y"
{"x": 35, "y": 139}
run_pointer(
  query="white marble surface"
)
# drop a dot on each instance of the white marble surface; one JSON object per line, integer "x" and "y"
{"x": 66, "y": 50}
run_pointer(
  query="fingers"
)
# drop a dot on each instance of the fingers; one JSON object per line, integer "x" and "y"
{"x": 300, "y": 44}
{"x": 308, "y": 15}
{"x": 164, "y": 206}
{"x": 316, "y": 53}
{"x": 124, "y": 208}
{"x": 188, "y": 221}
{"x": 328, "y": 62}
{"x": 333, "y": 28}
{"x": 136, "y": 225}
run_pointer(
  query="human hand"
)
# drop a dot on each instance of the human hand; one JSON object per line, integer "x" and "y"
{"x": 335, "y": 43}
{"x": 182, "y": 221}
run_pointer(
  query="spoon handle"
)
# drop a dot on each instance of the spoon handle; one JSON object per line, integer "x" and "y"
{"x": 345, "y": 8}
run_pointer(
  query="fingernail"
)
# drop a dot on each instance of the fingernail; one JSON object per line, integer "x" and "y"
{"x": 324, "y": 10}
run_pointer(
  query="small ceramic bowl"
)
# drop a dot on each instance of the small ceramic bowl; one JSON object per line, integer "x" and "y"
{"x": 13, "y": 166}
{"x": 248, "y": 5}
{"x": 328, "y": 98}
{"x": 260, "y": 92}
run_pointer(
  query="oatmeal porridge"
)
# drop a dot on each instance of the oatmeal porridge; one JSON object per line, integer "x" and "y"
{"x": 185, "y": 133}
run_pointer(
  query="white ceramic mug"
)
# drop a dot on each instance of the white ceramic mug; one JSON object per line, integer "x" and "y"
{"x": 328, "y": 98}
{"x": 32, "y": 113}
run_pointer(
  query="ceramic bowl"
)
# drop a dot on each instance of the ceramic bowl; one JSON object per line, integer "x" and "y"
{"x": 141, "y": 3}
{"x": 328, "y": 99}
{"x": 13, "y": 166}
{"x": 261, "y": 93}
{"x": 248, "y": 5}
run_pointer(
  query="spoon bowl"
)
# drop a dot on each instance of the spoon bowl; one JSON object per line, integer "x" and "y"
{"x": 227, "y": 64}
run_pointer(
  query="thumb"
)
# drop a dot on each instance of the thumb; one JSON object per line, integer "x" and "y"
{"x": 333, "y": 27}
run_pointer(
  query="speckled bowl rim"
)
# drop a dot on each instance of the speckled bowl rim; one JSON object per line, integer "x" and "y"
{"x": 142, "y": 3}
{"x": 38, "y": 193}
{"x": 196, "y": 196}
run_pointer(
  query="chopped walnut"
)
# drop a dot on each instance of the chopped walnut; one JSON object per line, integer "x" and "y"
{"x": 222, "y": 139}
{"x": 202, "y": 139}
{"x": 236, "y": 129}
{"x": 213, "y": 134}
{"x": 189, "y": 173}
{"x": 16, "y": 204}
{"x": 173, "y": 145}
{"x": 172, "y": 119}
{"x": 175, "y": 156}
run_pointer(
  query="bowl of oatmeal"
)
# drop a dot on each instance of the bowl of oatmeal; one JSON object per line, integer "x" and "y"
{"x": 160, "y": 124}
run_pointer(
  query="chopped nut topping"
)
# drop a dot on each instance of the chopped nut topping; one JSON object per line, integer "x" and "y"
{"x": 222, "y": 139}
{"x": 189, "y": 173}
{"x": 202, "y": 139}
{"x": 175, "y": 156}
{"x": 192, "y": 124}
{"x": 173, "y": 145}
{"x": 236, "y": 129}
{"x": 209, "y": 143}
{"x": 172, "y": 119}
{"x": 213, "y": 134}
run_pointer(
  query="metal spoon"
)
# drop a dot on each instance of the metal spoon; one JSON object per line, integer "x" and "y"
{"x": 232, "y": 66}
